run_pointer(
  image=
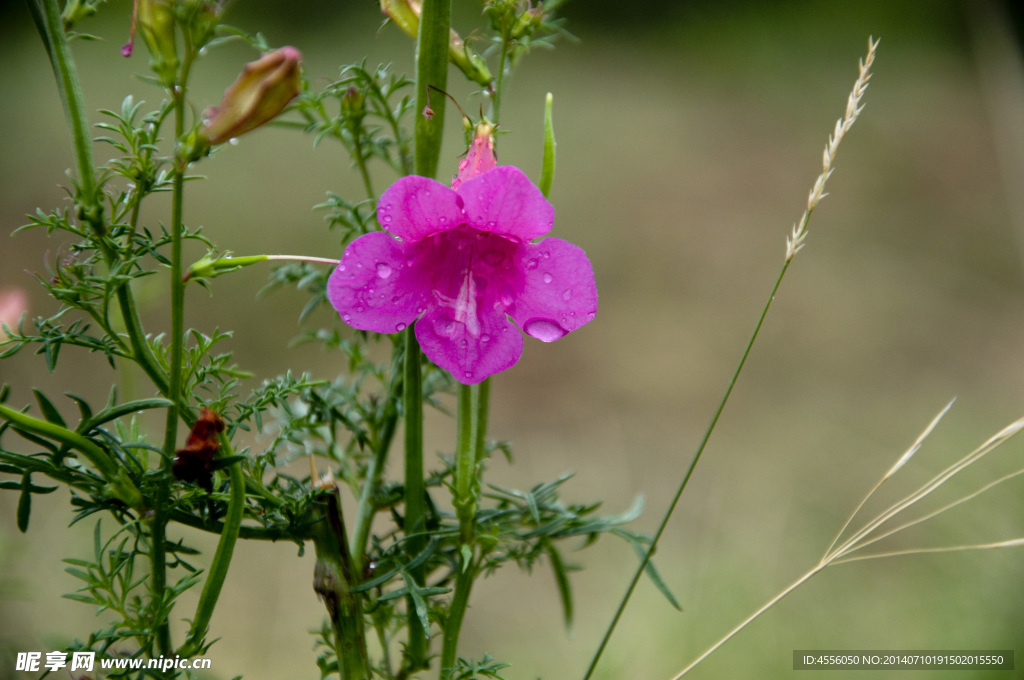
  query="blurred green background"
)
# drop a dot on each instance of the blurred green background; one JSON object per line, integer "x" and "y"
{"x": 689, "y": 134}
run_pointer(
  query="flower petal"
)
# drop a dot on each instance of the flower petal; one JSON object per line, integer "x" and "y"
{"x": 470, "y": 354}
{"x": 559, "y": 293}
{"x": 505, "y": 201}
{"x": 373, "y": 289}
{"x": 415, "y": 207}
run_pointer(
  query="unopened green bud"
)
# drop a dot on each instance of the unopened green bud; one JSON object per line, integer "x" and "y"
{"x": 156, "y": 24}
{"x": 260, "y": 93}
{"x": 353, "y": 105}
{"x": 527, "y": 22}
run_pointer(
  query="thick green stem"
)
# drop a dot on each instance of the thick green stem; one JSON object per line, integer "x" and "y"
{"x": 221, "y": 561}
{"x": 456, "y": 613}
{"x": 106, "y": 465}
{"x": 333, "y": 580}
{"x": 415, "y": 507}
{"x": 90, "y": 207}
{"x": 686, "y": 478}
{"x": 431, "y": 69}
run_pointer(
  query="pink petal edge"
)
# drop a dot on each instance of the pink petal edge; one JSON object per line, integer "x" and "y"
{"x": 470, "y": 360}
{"x": 415, "y": 207}
{"x": 372, "y": 289}
{"x": 505, "y": 201}
{"x": 559, "y": 293}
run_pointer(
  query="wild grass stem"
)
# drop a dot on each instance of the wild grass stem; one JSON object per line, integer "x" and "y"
{"x": 794, "y": 243}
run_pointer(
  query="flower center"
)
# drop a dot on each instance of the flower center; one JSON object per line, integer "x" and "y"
{"x": 469, "y": 273}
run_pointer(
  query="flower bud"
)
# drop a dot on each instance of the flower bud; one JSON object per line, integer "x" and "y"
{"x": 353, "y": 106}
{"x": 480, "y": 156}
{"x": 260, "y": 93}
{"x": 155, "y": 20}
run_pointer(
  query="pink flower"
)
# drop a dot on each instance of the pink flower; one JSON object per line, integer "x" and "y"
{"x": 463, "y": 262}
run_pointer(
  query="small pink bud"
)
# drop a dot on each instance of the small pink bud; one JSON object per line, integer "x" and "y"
{"x": 480, "y": 156}
{"x": 258, "y": 95}
{"x": 428, "y": 113}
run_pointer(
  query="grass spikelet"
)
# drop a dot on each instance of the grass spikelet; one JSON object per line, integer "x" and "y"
{"x": 795, "y": 241}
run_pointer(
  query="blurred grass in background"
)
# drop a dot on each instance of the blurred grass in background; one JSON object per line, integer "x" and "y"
{"x": 689, "y": 134}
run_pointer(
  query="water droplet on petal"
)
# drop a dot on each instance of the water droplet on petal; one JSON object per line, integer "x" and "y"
{"x": 346, "y": 317}
{"x": 566, "y": 295}
{"x": 387, "y": 218}
{"x": 544, "y": 330}
{"x": 400, "y": 327}
{"x": 532, "y": 263}
{"x": 468, "y": 374}
{"x": 341, "y": 267}
{"x": 547, "y": 277}
{"x": 445, "y": 328}
{"x": 546, "y": 254}
{"x": 485, "y": 338}
{"x": 444, "y": 220}
{"x": 383, "y": 270}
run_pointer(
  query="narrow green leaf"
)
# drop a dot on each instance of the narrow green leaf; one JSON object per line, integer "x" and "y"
{"x": 111, "y": 412}
{"x": 50, "y": 411}
{"x": 562, "y": 581}
{"x": 548, "y": 166}
{"x": 650, "y": 570}
{"x": 83, "y": 407}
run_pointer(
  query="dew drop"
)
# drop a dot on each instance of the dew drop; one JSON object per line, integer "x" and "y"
{"x": 341, "y": 267}
{"x": 360, "y": 308}
{"x": 444, "y": 220}
{"x": 544, "y": 330}
{"x": 546, "y": 254}
{"x": 400, "y": 327}
{"x": 485, "y": 338}
{"x": 547, "y": 277}
{"x": 468, "y": 374}
{"x": 383, "y": 270}
{"x": 346, "y": 317}
{"x": 567, "y": 294}
{"x": 445, "y": 328}
{"x": 387, "y": 218}
{"x": 532, "y": 263}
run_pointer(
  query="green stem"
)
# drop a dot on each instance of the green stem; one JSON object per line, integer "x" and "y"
{"x": 90, "y": 208}
{"x": 158, "y": 566}
{"x": 499, "y": 82}
{"x": 431, "y": 69}
{"x": 465, "y": 464}
{"x": 481, "y": 410}
{"x": 333, "y": 580}
{"x": 221, "y": 561}
{"x": 106, "y": 466}
{"x": 415, "y": 507}
{"x": 366, "y": 510}
{"x": 686, "y": 478}
{"x": 456, "y": 613}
